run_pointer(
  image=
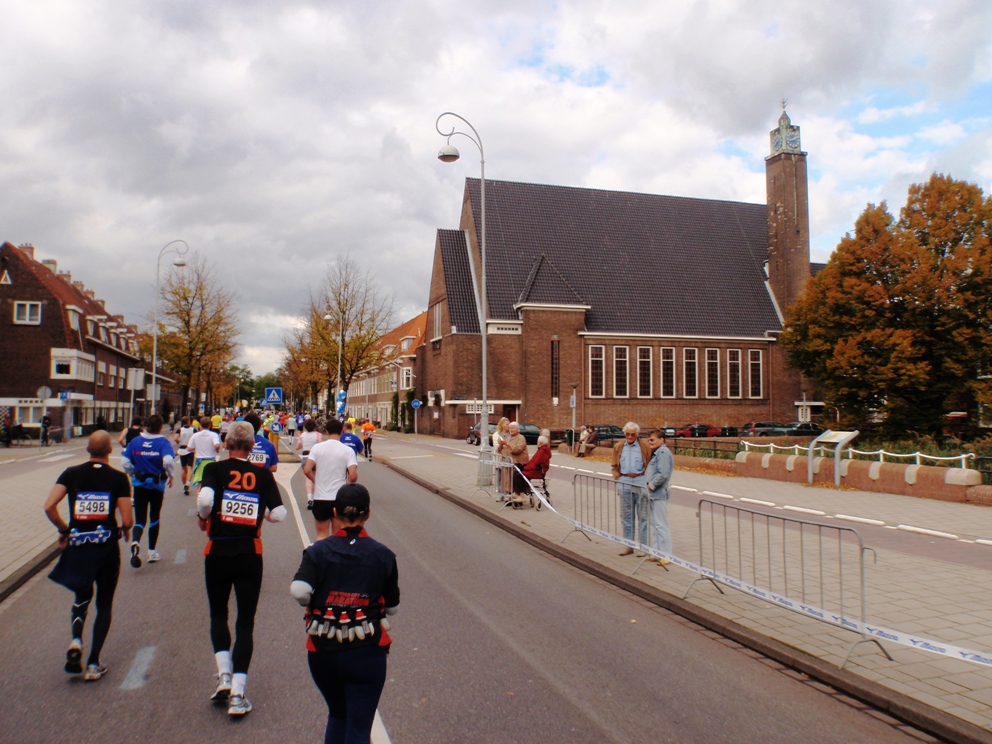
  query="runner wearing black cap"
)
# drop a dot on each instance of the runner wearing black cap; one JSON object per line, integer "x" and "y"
{"x": 349, "y": 583}
{"x": 235, "y": 496}
{"x": 91, "y": 555}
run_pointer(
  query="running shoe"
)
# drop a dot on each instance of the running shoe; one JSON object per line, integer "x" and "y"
{"x": 135, "y": 555}
{"x": 223, "y": 691}
{"x": 94, "y": 672}
{"x": 153, "y": 556}
{"x": 74, "y": 657}
{"x": 238, "y": 705}
{"x": 185, "y": 490}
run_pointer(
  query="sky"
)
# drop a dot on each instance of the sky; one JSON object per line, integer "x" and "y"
{"x": 274, "y": 137}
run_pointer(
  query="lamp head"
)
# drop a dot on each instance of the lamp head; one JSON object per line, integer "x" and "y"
{"x": 328, "y": 317}
{"x": 179, "y": 262}
{"x": 448, "y": 154}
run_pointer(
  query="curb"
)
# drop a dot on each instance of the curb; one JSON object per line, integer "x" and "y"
{"x": 21, "y": 576}
{"x": 923, "y": 716}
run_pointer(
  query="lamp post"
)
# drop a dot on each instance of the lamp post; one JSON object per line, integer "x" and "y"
{"x": 178, "y": 262}
{"x": 449, "y": 154}
{"x": 340, "y": 346}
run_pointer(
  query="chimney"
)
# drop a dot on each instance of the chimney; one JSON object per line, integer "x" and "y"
{"x": 66, "y": 276}
{"x": 80, "y": 287}
{"x": 28, "y": 249}
{"x": 90, "y": 293}
{"x": 102, "y": 304}
{"x": 51, "y": 265}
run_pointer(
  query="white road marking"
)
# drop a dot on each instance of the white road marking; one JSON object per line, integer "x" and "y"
{"x": 757, "y": 501}
{"x": 414, "y": 457}
{"x": 862, "y": 520}
{"x": 283, "y": 479}
{"x": 56, "y": 458}
{"x": 923, "y": 531}
{"x": 686, "y": 488}
{"x": 462, "y": 454}
{"x": 817, "y": 512}
{"x": 135, "y": 678}
{"x": 714, "y": 493}
{"x": 180, "y": 556}
{"x": 591, "y": 472}
{"x": 190, "y": 512}
{"x": 983, "y": 541}
{"x": 379, "y": 735}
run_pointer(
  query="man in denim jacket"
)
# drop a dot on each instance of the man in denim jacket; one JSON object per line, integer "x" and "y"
{"x": 657, "y": 476}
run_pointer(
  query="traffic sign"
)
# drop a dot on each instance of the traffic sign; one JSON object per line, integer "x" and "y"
{"x": 415, "y": 403}
{"x": 273, "y": 396}
{"x": 275, "y": 427}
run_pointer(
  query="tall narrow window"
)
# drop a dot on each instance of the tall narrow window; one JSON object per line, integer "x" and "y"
{"x": 644, "y": 371}
{"x": 712, "y": 373}
{"x": 754, "y": 373}
{"x": 620, "y": 371}
{"x": 437, "y": 322}
{"x": 554, "y": 368}
{"x": 733, "y": 373}
{"x": 597, "y": 383}
{"x": 668, "y": 372}
{"x": 690, "y": 370}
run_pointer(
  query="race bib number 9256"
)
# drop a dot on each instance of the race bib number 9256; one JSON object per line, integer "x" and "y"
{"x": 239, "y": 507}
{"x": 92, "y": 505}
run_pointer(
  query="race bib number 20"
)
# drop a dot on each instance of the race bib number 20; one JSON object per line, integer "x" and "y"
{"x": 239, "y": 507}
{"x": 92, "y": 505}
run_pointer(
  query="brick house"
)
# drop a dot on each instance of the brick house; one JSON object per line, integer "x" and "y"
{"x": 663, "y": 310}
{"x": 371, "y": 393}
{"x": 56, "y": 334}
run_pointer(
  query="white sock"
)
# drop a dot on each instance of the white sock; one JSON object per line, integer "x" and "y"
{"x": 238, "y": 682}
{"x": 223, "y": 662}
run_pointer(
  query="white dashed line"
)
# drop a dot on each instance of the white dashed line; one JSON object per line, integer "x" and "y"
{"x": 180, "y": 556}
{"x": 593, "y": 472}
{"x": 862, "y": 520}
{"x": 135, "y": 678}
{"x": 462, "y": 454}
{"x": 923, "y": 531}
{"x": 757, "y": 501}
{"x": 983, "y": 541}
{"x": 683, "y": 488}
{"x": 804, "y": 510}
{"x": 714, "y": 493}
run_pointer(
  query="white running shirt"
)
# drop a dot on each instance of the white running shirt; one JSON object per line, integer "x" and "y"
{"x": 185, "y": 434}
{"x": 202, "y": 443}
{"x": 331, "y": 459}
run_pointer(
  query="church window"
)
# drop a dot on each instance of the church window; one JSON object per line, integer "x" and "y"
{"x": 620, "y": 371}
{"x": 712, "y": 373}
{"x": 754, "y": 373}
{"x": 689, "y": 373}
{"x": 733, "y": 373}
{"x": 555, "y": 369}
{"x": 597, "y": 372}
{"x": 644, "y": 371}
{"x": 668, "y": 372}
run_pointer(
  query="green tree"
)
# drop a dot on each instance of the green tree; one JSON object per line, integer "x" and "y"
{"x": 898, "y": 327}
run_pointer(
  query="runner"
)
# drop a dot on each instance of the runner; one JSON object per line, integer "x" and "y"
{"x": 263, "y": 453}
{"x": 305, "y": 443}
{"x": 235, "y": 496}
{"x": 368, "y": 431}
{"x": 204, "y": 444}
{"x": 348, "y": 583}
{"x": 130, "y": 432}
{"x": 291, "y": 426}
{"x": 331, "y": 464}
{"x": 225, "y": 422}
{"x": 148, "y": 460}
{"x": 90, "y": 551}
{"x": 181, "y": 439}
{"x": 349, "y": 438}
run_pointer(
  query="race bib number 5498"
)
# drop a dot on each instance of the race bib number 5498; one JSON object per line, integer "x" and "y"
{"x": 92, "y": 505}
{"x": 239, "y": 507}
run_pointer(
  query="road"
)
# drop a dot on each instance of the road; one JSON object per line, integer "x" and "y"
{"x": 494, "y": 642}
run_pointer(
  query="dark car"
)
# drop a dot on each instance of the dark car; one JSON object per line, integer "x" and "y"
{"x": 530, "y": 432}
{"x": 607, "y": 434}
{"x": 763, "y": 429}
{"x": 697, "y": 430}
{"x": 473, "y": 434}
{"x": 803, "y": 429}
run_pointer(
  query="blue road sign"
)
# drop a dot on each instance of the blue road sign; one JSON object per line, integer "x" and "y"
{"x": 275, "y": 427}
{"x": 273, "y": 396}
{"x": 415, "y": 403}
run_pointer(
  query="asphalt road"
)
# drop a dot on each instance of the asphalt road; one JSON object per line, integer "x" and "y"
{"x": 494, "y": 642}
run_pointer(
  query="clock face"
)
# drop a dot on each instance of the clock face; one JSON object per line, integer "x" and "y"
{"x": 776, "y": 141}
{"x": 792, "y": 138}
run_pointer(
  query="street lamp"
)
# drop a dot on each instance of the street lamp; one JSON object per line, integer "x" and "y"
{"x": 329, "y": 317}
{"x": 178, "y": 262}
{"x": 449, "y": 154}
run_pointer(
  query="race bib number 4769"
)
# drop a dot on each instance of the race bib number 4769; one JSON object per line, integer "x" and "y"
{"x": 239, "y": 507}
{"x": 92, "y": 505}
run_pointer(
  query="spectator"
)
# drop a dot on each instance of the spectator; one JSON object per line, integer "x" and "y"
{"x": 590, "y": 441}
{"x": 659, "y": 473}
{"x": 630, "y": 462}
{"x": 539, "y": 465}
{"x": 515, "y": 447}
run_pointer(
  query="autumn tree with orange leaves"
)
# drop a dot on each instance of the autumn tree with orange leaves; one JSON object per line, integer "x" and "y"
{"x": 898, "y": 327}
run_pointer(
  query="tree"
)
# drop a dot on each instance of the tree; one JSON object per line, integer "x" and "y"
{"x": 897, "y": 326}
{"x": 198, "y": 334}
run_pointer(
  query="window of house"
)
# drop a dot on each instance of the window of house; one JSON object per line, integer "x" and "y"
{"x": 754, "y": 373}
{"x": 733, "y": 373}
{"x": 90, "y": 327}
{"x": 437, "y": 322}
{"x": 120, "y": 379}
{"x": 668, "y": 372}
{"x": 689, "y": 370}
{"x": 63, "y": 368}
{"x": 620, "y": 371}
{"x": 74, "y": 320}
{"x": 101, "y": 373}
{"x": 27, "y": 313}
{"x": 103, "y": 334}
{"x": 406, "y": 378}
{"x": 405, "y": 344}
{"x": 712, "y": 373}
{"x": 597, "y": 372}
{"x": 644, "y": 371}
{"x": 555, "y": 371}
{"x": 113, "y": 376}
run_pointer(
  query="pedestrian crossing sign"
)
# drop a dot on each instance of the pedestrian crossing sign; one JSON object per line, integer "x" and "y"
{"x": 273, "y": 396}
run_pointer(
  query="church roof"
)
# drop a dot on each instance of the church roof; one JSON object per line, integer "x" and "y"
{"x": 644, "y": 263}
{"x": 458, "y": 283}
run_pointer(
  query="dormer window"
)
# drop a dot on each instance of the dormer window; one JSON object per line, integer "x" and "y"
{"x": 27, "y": 313}
{"x": 405, "y": 344}
{"x": 90, "y": 327}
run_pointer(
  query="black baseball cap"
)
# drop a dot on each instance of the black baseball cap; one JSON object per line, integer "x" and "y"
{"x": 352, "y": 494}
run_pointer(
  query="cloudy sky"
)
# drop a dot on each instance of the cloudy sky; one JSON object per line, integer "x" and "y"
{"x": 275, "y": 136}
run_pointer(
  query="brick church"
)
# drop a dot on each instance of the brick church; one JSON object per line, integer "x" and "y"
{"x": 663, "y": 310}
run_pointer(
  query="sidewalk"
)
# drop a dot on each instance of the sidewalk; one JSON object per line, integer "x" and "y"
{"x": 943, "y": 600}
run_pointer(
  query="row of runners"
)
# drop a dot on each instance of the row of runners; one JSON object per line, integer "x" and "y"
{"x": 347, "y": 581}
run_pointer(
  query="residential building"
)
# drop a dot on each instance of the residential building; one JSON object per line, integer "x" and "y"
{"x": 371, "y": 393}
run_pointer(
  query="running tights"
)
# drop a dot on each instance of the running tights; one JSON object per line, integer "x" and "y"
{"x": 351, "y": 682}
{"x": 145, "y": 500}
{"x": 244, "y": 574}
{"x": 368, "y": 447}
{"x": 106, "y": 585}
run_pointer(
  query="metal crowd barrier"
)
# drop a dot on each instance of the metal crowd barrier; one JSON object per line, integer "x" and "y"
{"x": 809, "y": 567}
{"x": 495, "y": 473}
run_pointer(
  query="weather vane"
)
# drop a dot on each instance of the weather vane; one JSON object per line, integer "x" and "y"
{"x": 785, "y": 102}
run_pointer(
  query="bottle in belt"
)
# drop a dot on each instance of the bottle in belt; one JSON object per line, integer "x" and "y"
{"x": 348, "y": 583}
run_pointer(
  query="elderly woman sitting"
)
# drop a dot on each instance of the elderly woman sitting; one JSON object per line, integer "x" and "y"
{"x": 539, "y": 465}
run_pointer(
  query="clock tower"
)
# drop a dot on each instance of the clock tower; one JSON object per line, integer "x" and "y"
{"x": 788, "y": 213}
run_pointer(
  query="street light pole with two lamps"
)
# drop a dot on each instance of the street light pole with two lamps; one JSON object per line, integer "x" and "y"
{"x": 178, "y": 262}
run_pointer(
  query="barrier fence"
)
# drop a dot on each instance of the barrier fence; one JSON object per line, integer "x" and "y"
{"x": 819, "y": 568}
{"x": 851, "y": 453}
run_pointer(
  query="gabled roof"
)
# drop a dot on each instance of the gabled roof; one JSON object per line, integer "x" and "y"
{"x": 547, "y": 286}
{"x": 645, "y": 263}
{"x": 458, "y": 281}
{"x": 415, "y": 328}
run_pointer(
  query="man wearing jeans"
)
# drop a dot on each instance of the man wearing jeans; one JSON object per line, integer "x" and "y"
{"x": 630, "y": 461}
{"x": 658, "y": 474}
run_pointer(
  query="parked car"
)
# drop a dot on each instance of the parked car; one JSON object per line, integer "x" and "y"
{"x": 473, "y": 434}
{"x": 728, "y": 431}
{"x": 607, "y": 434}
{"x": 763, "y": 429}
{"x": 803, "y": 429}
{"x": 697, "y": 430}
{"x": 531, "y": 432}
